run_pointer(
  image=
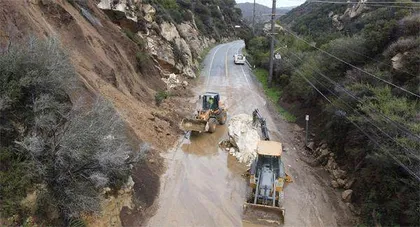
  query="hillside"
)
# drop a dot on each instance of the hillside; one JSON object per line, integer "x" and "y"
{"x": 92, "y": 91}
{"x": 355, "y": 70}
{"x": 262, "y": 12}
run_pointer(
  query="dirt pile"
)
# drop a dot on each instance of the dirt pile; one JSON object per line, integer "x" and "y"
{"x": 107, "y": 62}
{"x": 243, "y": 138}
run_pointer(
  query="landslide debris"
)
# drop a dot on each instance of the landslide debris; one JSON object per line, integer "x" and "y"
{"x": 243, "y": 138}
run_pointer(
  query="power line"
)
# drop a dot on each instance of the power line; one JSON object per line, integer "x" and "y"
{"x": 397, "y": 125}
{"x": 365, "y": 118}
{"x": 365, "y": 133}
{"x": 343, "y": 61}
{"x": 367, "y": 3}
{"x": 393, "y": 6}
{"x": 380, "y": 62}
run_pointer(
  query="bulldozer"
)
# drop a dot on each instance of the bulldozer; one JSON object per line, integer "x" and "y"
{"x": 267, "y": 179}
{"x": 212, "y": 112}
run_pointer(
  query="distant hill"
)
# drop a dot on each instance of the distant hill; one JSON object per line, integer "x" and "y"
{"x": 261, "y": 11}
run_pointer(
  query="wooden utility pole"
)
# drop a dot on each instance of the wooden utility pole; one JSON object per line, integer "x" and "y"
{"x": 273, "y": 18}
{"x": 253, "y": 20}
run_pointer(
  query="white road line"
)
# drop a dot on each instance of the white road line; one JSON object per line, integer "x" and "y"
{"x": 243, "y": 72}
{"x": 211, "y": 64}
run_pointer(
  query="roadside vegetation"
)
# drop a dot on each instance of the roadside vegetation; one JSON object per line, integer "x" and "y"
{"x": 372, "y": 126}
{"x": 273, "y": 93}
{"x": 56, "y": 155}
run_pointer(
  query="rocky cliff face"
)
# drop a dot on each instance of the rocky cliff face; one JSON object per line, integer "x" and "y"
{"x": 175, "y": 47}
{"x": 122, "y": 53}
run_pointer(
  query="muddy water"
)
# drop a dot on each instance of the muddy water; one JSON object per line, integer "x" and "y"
{"x": 203, "y": 185}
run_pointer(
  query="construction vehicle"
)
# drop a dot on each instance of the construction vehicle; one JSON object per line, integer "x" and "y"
{"x": 211, "y": 113}
{"x": 267, "y": 179}
{"x": 239, "y": 59}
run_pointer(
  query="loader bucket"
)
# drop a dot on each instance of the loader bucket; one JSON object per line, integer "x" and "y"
{"x": 197, "y": 125}
{"x": 256, "y": 215}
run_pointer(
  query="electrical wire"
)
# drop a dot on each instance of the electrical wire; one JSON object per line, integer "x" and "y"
{"x": 340, "y": 2}
{"x": 360, "y": 54}
{"x": 345, "y": 62}
{"x": 396, "y": 124}
{"x": 364, "y": 117}
{"x": 378, "y": 4}
{"x": 412, "y": 173}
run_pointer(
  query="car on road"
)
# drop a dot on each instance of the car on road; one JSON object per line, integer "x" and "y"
{"x": 239, "y": 59}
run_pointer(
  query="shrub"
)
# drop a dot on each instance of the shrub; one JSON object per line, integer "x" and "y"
{"x": 135, "y": 38}
{"x": 76, "y": 161}
{"x": 160, "y": 96}
{"x": 72, "y": 152}
{"x": 144, "y": 61}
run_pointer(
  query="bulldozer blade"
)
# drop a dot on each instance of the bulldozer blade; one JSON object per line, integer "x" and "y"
{"x": 257, "y": 214}
{"x": 194, "y": 125}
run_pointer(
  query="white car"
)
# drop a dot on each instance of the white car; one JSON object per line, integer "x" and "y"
{"x": 239, "y": 59}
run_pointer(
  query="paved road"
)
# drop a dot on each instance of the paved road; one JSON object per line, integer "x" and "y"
{"x": 203, "y": 185}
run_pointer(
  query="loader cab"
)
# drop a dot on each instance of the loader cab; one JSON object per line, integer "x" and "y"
{"x": 210, "y": 101}
{"x": 269, "y": 155}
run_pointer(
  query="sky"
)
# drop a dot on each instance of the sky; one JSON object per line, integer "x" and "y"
{"x": 280, "y": 3}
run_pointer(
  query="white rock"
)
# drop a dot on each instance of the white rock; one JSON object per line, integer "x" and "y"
{"x": 245, "y": 136}
{"x": 184, "y": 83}
{"x": 169, "y": 31}
{"x": 172, "y": 81}
{"x": 334, "y": 184}
{"x": 341, "y": 182}
{"x": 346, "y": 195}
{"x": 149, "y": 12}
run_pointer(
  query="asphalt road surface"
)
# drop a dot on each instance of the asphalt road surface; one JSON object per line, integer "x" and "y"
{"x": 204, "y": 185}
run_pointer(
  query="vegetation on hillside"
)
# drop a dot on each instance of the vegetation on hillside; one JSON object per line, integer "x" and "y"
{"x": 372, "y": 126}
{"x": 214, "y": 18}
{"x": 62, "y": 152}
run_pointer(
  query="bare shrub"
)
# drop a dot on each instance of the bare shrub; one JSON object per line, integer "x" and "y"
{"x": 78, "y": 159}
{"x": 74, "y": 151}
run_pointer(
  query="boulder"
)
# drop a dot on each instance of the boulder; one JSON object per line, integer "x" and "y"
{"x": 337, "y": 23}
{"x": 349, "y": 184}
{"x": 148, "y": 12}
{"x": 322, "y": 158}
{"x": 184, "y": 83}
{"x": 169, "y": 31}
{"x": 346, "y": 195}
{"x": 123, "y": 6}
{"x": 311, "y": 146}
{"x": 397, "y": 60}
{"x": 334, "y": 184}
{"x": 331, "y": 164}
{"x": 189, "y": 72}
{"x": 244, "y": 137}
{"x": 172, "y": 81}
{"x": 341, "y": 182}
{"x": 338, "y": 173}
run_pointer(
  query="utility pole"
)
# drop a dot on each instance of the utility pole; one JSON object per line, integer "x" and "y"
{"x": 273, "y": 15}
{"x": 253, "y": 20}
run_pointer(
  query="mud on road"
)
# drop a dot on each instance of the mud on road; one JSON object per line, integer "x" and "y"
{"x": 204, "y": 185}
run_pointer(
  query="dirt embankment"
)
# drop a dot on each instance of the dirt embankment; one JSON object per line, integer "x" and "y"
{"x": 105, "y": 59}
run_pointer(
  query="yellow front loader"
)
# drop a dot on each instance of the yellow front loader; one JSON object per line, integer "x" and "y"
{"x": 267, "y": 179}
{"x": 206, "y": 119}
